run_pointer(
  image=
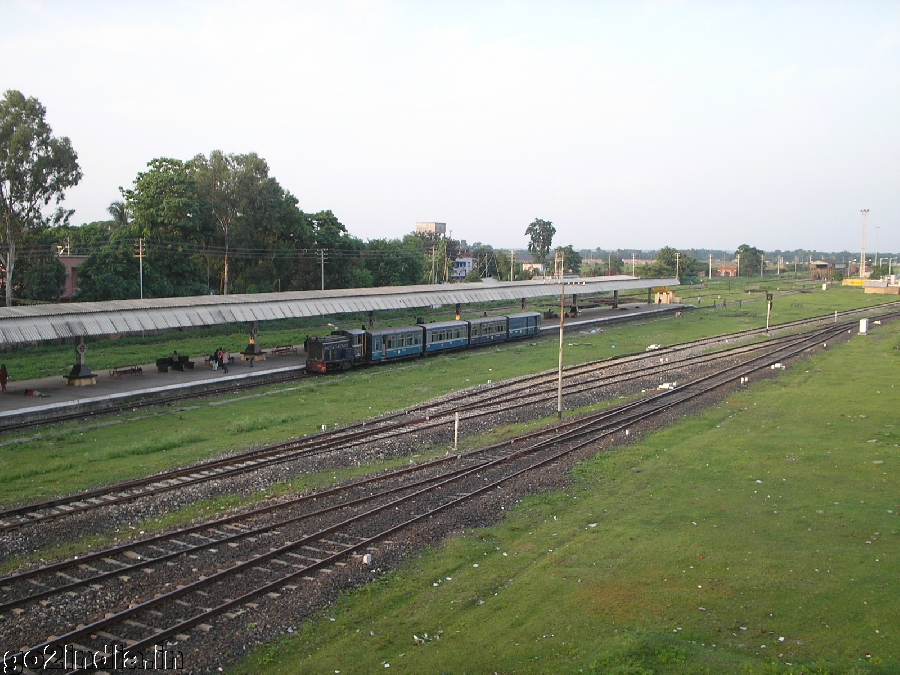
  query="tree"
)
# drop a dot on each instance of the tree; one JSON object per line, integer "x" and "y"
{"x": 119, "y": 213}
{"x": 879, "y": 271}
{"x": 167, "y": 212}
{"x": 571, "y": 259}
{"x": 750, "y": 260}
{"x": 394, "y": 262}
{"x": 231, "y": 185}
{"x": 540, "y": 234}
{"x": 41, "y": 275}
{"x": 35, "y": 169}
{"x": 669, "y": 263}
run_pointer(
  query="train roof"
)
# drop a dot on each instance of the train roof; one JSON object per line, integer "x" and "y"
{"x": 393, "y": 330}
{"x": 445, "y": 324}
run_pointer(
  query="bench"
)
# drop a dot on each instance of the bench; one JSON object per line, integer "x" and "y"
{"x": 120, "y": 371}
{"x": 281, "y": 350}
{"x": 183, "y": 363}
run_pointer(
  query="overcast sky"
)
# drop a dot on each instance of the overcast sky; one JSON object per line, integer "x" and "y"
{"x": 626, "y": 124}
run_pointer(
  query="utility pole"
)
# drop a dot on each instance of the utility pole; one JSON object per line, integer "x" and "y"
{"x": 862, "y": 255}
{"x": 678, "y": 265}
{"x": 738, "y": 264}
{"x": 709, "y": 276}
{"x": 762, "y": 264}
{"x": 322, "y": 258}
{"x": 633, "y": 263}
{"x": 562, "y": 322}
{"x": 512, "y": 265}
{"x": 877, "y": 261}
{"x": 140, "y": 257}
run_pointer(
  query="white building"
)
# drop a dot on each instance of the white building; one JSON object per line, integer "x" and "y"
{"x": 461, "y": 267}
{"x": 432, "y": 228}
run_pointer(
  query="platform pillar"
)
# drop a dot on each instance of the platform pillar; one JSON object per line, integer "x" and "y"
{"x": 372, "y": 319}
{"x": 523, "y": 304}
{"x": 615, "y": 299}
{"x": 81, "y": 375}
{"x": 458, "y": 311}
{"x": 253, "y": 352}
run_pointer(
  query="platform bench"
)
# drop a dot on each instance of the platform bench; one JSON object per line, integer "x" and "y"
{"x": 119, "y": 371}
{"x": 183, "y": 363}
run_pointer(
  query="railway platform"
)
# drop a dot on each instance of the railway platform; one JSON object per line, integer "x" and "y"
{"x": 55, "y": 400}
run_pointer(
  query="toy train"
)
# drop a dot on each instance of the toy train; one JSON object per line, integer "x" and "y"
{"x": 345, "y": 349}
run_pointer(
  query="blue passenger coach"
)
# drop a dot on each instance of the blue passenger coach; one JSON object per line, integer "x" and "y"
{"x": 523, "y": 324}
{"x": 384, "y": 344}
{"x": 487, "y": 329}
{"x": 446, "y": 335}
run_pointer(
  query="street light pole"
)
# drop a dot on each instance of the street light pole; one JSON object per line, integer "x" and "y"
{"x": 877, "y": 261}
{"x": 562, "y": 321}
{"x": 862, "y": 255}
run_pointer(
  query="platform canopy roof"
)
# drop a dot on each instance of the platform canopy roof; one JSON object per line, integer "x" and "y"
{"x": 36, "y": 323}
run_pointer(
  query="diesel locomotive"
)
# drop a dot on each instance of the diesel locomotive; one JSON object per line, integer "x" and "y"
{"x": 345, "y": 349}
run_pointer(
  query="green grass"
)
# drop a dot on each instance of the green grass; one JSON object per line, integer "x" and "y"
{"x": 695, "y": 550}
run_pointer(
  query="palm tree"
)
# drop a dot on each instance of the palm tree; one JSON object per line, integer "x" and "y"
{"x": 119, "y": 212}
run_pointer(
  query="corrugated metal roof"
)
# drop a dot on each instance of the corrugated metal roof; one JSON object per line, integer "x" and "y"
{"x": 49, "y": 322}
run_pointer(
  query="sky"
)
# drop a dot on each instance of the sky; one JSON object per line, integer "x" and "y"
{"x": 627, "y": 124}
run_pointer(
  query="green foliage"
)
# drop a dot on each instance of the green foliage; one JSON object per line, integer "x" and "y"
{"x": 571, "y": 259}
{"x": 113, "y": 273}
{"x": 394, "y": 262}
{"x": 36, "y": 168}
{"x": 174, "y": 221}
{"x": 41, "y": 275}
{"x": 540, "y": 238}
{"x": 750, "y": 260}
{"x": 880, "y": 271}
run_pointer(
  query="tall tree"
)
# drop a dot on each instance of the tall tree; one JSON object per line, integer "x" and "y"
{"x": 231, "y": 185}
{"x": 35, "y": 169}
{"x": 749, "y": 261}
{"x": 540, "y": 234}
{"x": 167, "y": 212}
{"x": 671, "y": 262}
{"x": 119, "y": 213}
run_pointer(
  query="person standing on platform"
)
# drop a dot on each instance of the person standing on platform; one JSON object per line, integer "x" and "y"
{"x": 4, "y": 376}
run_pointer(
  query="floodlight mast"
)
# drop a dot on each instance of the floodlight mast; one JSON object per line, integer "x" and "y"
{"x": 862, "y": 255}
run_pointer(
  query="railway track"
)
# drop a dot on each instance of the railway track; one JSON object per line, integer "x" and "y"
{"x": 641, "y": 371}
{"x": 148, "y": 597}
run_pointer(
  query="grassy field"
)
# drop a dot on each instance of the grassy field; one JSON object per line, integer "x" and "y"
{"x": 761, "y": 536}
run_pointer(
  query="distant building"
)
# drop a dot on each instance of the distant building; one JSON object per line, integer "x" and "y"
{"x": 461, "y": 267}
{"x": 819, "y": 269}
{"x": 725, "y": 272}
{"x": 432, "y": 228}
{"x": 71, "y": 263}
